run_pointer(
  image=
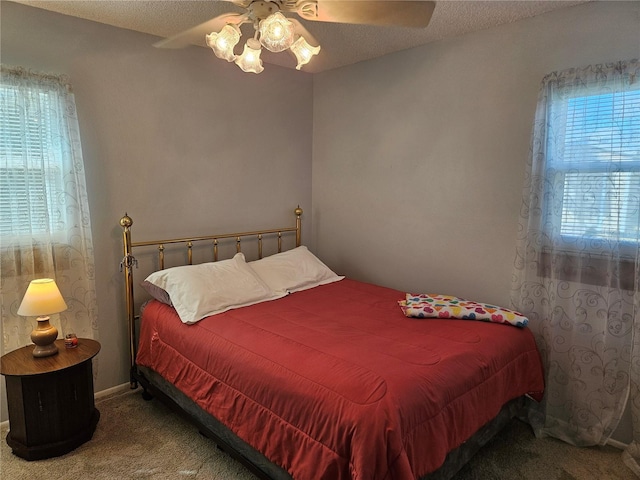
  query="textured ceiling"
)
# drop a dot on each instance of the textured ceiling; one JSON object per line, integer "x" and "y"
{"x": 342, "y": 44}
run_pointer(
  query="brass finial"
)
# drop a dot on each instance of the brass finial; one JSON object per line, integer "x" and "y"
{"x": 126, "y": 221}
{"x": 298, "y": 211}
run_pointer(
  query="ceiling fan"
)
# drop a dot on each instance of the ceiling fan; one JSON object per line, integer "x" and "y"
{"x": 277, "y": 32}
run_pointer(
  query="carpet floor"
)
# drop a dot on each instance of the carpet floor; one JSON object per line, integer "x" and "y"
{"x": 136, "y": 439}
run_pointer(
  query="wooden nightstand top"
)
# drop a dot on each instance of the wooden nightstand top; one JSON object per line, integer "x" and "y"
{"x": 21, "y": 362}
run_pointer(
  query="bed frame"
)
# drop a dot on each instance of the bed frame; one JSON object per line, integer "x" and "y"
{"x": 155, "y": 385}
{"x": 129, "y": 261}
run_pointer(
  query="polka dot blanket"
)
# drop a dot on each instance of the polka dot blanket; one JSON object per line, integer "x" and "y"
{"x": 446, "y": 306}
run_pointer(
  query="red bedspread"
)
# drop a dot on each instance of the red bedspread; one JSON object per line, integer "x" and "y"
{"x": 335, "y": 382}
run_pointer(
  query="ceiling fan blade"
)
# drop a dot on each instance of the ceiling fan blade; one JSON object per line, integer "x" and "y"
{"x": 196, "y": 35}
{"x": 384, "y": 13}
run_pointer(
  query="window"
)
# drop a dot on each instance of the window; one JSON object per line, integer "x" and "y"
{"x": 31, "y": 173}
{"x": 45, "y": 226}
{"x": 577, "y": 266}
{"x": 594, "y": 166}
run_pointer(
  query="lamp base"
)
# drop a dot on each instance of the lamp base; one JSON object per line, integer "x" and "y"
{"x": 44, "y": 336}
{"x": 45, "y": 351}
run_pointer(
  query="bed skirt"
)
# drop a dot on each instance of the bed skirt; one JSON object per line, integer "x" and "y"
{"x": 260, "y": 466}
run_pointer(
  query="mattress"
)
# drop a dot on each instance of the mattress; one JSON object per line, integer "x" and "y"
{"x": 335, "y": 382}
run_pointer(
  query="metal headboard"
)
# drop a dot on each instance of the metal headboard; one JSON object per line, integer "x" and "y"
{"x": 129, "y": 261}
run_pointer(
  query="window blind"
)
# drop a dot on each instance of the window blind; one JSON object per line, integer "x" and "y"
{"x": 597, "y": 162}
{"x": 30, "y": 172}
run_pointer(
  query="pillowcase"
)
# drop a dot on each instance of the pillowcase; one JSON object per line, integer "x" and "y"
{"x": 156, "y": 292}
{"x": 293, "y": 271}
{"x": 197, "y": 291}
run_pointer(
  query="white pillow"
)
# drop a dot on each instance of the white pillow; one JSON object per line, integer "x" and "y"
{"x": 293, "y": 271}
{"x": 197, "y": 291}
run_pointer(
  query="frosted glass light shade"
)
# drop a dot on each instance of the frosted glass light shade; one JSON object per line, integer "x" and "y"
{"x": 303, "y": 51}
{"x": 42, "y": 298}
{"x": 222, "y": 43}
{"x": 250, "y": 60}
{"x": 276, "y": 32}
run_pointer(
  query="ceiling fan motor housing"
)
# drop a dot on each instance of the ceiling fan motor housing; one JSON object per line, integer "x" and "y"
{"x": 261, "y": 9}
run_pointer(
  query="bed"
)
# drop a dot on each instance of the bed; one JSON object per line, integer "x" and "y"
{"x": 327, "y": 381}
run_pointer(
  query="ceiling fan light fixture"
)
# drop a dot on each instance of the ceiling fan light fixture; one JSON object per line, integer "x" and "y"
{"x": 250, "y": 60}
{"x": 303, "y": 51}
{"x": 222, "y": 43}
{"x": 276, "y": 32}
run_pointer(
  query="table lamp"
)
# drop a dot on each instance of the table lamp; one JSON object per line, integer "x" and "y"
{"x": 41, "y": 300}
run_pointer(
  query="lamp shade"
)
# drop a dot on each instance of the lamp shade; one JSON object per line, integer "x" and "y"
{"x": 223, "y": 43}
{"x": 250, "y": 60}
{"x": 303, "y": 51}
{"x": 276, "y": 32}
{"x": 42, "y": 298}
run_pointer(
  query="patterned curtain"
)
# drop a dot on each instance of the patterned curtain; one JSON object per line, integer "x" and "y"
{"x": 577, "y": 268}
{"x": 45, "y": 231}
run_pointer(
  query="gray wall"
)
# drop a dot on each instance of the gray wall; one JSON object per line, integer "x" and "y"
{"x": 182, "y": 141}
{"x": 419, "y": 156}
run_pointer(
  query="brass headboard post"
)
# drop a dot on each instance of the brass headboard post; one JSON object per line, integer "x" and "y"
{"x": 129, "y": 261}
{"x": 298, "y": 212}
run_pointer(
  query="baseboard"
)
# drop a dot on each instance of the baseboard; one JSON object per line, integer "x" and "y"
{"x": 617, "y": 444}
{"x": 109, "y": 392}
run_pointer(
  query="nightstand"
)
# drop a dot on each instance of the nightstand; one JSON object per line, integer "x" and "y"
{"x": 50, "y": 399}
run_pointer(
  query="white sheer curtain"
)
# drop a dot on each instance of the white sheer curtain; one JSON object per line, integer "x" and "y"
{"x": 577, "y": 269}
{"x": 45, "y": 231}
